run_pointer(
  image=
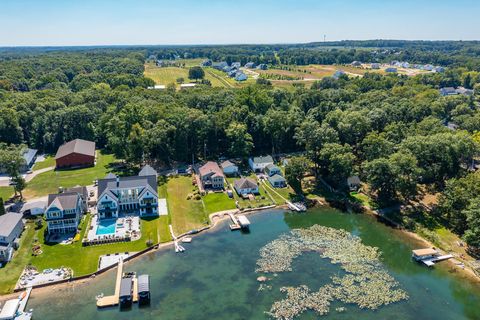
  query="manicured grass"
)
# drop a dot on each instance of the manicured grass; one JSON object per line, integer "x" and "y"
{"x": 258, "y": 202}
{"x": 185, "y": 214}
{"x": 279, "y": 195}
{"x": 12, "y": 270}
{"x": 48, "y": 162}
{"x": 167, "y": 75}
{"x": 6, "y": 193}
{"x": 219, "y": 201}
{"x": 49, "y": 182}
{"x": 84, "y": 260}
{"x": 362, "y": 198}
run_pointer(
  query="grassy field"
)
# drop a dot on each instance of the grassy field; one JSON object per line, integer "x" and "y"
{"x": 50, "y": 181}
{"x": 10, "y": 273}
{"x": 185, "y": 214}
{"x": 48, "y": 162}
{"x": 167, "y": 75}
{"x": 6, "y": 193}
{"x": 215, "y": 202}
{"x": 84, "y": 260}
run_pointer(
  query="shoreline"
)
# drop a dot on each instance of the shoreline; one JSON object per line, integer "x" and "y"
{"x": 215, "y": 219}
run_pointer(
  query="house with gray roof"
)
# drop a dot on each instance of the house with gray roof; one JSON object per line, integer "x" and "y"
{"x": 245, "y": 186}
{"x": 229, "y": 168}
{"x": 64, "y": 212}
{"x": 11, "y": 227}
{"x": 277, "y": 181}
{"x": 258, "y": 164}
{"x": 128, "y": 195}
{"x": 272, "y": 170}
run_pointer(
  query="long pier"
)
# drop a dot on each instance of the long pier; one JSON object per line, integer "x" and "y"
{"x": 110, "y": 301}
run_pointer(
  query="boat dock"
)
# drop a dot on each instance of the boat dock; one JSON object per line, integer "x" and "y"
{"x": 110, "y": 301}
{"x": 178, "y": 247}
{"x": 240, "y": 222}
{"x": 15, "y": 309}
{"x": 296, "y": 207}
{"x": 429, "y": 256}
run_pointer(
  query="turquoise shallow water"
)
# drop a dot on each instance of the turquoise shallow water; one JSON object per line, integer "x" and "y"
{"x": 215, "y": 278}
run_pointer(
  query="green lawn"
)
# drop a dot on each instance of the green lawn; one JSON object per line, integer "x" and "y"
{"x": 49, "y": 182}
{"x": 263, "y": 199}
{"x": 279, "y": 194}
{"x": 6, "y": 193}
{"x": 11, "y": 272}
{"x": 167, "y": 75}
{"x": 185, "y": 214}
{"x": 84, "y": 260}
{"x": 215, "y": 202}
{"x": 48, "y": 162}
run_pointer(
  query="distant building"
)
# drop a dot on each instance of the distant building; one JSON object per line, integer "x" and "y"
{"x": 338, "y": 74}
{"x": 211, "y": 176}
{"x": 184, "y": 86}
{"x": 451, "y": 91}
{"x": 405, "y": 65}
{"x": 220, "y": 65}
{"x": 375, "y": 65}
{"x": 353, "y": 183}
{"x": 356, "y": 64}
{"x": 229, "y": 168}
{"x": 11, "y": 227}
{"x": 128, "y": 195}
{"x": 272, "y": 170}
{"x": 428, "y": 67}
{"x": 439, "y": 69}
{"x": 206, "y": 63}
{"x": 158, "y": 87}
{"x": 465, "y": 92}
{"x": 76, "y": 153}
{"x": 262, "y": 66}
{"x": 240, "y": 76}
{"x": 250, "y": 65}
{"x": 236, "y": 65}
{"x": 258, "y": 164}
{"x": 277, "y": 181}
{"x": 64, "y": 212}
{"x": 245, "y": 186}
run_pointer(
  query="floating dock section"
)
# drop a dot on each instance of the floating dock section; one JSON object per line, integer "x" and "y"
{"x": 15, "y": 309}
{"x": 178, "y": 247}
{"x": 299, "y": 207}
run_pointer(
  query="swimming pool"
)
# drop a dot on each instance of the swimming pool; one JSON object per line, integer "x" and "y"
{"x": 106, "y": 227}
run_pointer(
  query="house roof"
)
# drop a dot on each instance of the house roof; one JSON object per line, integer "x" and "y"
{"x": 147, "y": 171}
{"x": 448, "y": 90}
{"x": 226, "y": 164}
{"x": 263, "y": 159}
{"x": 126, "y": 183}
{"x": 125, "y": 287}
{"x": 8, "y": 221}
{"x": 245, "y": 183}
{"x": 353, "y": 180}
{"x": 78, "y": 189}
{"x": 271, "y": 166}
{"x": 210, "y": 167}
{"x": 33, "y": 205}
{"x": 76, "y": 146}
{"x": 64, "y": 201}
{"x": 277, "y": 178}
{"x": 29, "y": 154}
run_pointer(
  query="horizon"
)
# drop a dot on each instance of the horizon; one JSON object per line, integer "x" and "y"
{"x": 53, "y": 23}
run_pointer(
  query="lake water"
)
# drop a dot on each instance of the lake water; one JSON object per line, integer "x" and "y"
{"x": 215, "y": 278}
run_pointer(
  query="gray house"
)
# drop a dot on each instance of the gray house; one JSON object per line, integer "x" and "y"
{"x": 11, "y": 227}
{"x": 272, "y": 170}
{"x": 245, "y": 186}
{"x": 258, "y": 164}
{"x": 277, "y": 181}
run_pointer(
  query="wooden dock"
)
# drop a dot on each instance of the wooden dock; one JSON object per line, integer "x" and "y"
{"x": 111, "y": 301}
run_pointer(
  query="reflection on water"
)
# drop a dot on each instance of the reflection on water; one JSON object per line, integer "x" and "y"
{"x": 215, "y": 278}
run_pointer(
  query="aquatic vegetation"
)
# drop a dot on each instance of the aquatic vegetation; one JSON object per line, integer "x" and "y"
{"x": 366, "y": 283}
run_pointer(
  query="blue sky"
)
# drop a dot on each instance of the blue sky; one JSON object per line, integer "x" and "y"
{"x": 108, "y": 22}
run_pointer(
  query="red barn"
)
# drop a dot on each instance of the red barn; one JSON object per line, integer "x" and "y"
{"x": 76, "y": 153}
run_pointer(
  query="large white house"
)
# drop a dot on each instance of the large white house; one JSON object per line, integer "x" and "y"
{"x": 258, "y": 164}
{"x": 245, "y": 186}
{"x": 128, "y": 195}
{"x": 11, "y": 227}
